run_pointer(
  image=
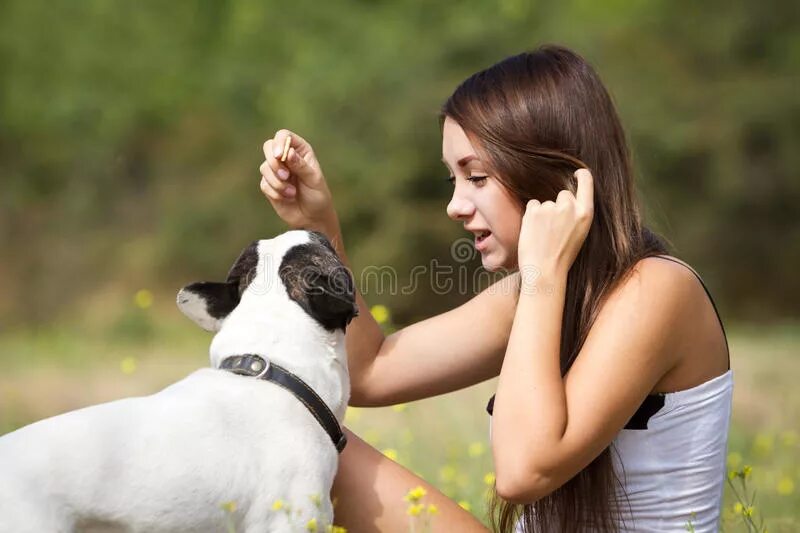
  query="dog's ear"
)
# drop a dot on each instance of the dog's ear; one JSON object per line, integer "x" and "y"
{"x": 208, "y": 303}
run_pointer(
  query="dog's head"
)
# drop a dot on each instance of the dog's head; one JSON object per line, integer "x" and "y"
{"x": 299, "y": 265}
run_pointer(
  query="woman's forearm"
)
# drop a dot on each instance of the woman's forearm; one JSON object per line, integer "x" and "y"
{"x": 530, "y": 414}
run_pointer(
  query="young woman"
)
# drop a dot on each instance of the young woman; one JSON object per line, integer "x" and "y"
{"x": 612, "y": 407}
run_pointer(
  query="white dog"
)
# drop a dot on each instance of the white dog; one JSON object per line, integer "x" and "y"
{"x": 167, "y": 462}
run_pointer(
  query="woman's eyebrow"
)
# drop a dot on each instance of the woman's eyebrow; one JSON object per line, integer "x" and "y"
{"x": 464, "y": 160}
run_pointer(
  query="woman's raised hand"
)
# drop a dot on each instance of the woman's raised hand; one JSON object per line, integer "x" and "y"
{"x": 296, "y": 187}
{"x": 552, "y": 233}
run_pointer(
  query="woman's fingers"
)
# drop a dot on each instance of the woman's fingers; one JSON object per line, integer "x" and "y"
{"x": 284, "y": 188}
{"x": 278, "y": 168}
{"x": 268, "y": 191}
{"x": 272, "y": 179}
{"x": 296, "y": 165}
{"x": 564, "y": 197}
{"x": 274, "y": 194}
{"x": 299, "y": 144}
{"x": 585, "y": 191}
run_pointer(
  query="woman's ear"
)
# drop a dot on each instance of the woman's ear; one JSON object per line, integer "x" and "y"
{"x": 208, "y": 303}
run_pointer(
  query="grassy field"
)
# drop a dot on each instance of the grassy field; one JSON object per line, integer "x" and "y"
{"x": 443, "y": 439}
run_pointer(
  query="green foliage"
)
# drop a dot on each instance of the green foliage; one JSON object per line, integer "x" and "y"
{"x": 131, "y": 133}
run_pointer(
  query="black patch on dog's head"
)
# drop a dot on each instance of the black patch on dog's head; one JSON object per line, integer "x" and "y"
{"x": 317, "y": 280}
{"x": 243, "y": 271}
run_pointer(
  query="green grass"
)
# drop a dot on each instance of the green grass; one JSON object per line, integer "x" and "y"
{"x": 445, "y": 439}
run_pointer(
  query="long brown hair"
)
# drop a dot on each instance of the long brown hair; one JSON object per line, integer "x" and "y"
{"x": 535, "y": 118}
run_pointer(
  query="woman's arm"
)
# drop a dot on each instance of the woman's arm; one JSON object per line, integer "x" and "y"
{"x": 444, "y": 353}
{"x": 441, "y": 354}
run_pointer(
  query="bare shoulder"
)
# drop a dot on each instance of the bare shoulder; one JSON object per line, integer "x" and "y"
{"x": 658, "y": 287}
{"x": 650, "y": 312}
{"x": 665, "y": 276}
{"x": 671, "y": 303}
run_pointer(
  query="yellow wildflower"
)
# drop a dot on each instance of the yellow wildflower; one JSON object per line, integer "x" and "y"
{"x": 380, "y": 313}
{"x": 432, "y": 509}
{"x": 746, "y": 471}
{"x": 738, "y": 507}
{"x": 476, "y": 449}
{"x": 390, "y": 453}
{"x": 229, "y": 507}
{"x": 311, "y": 525}
{"x": 143, "y": 299}
{"x": 416, "y": 494}
{"x": 128, "y": 365}
{"x": 748, "y": 511}
{"x": 785, "y": 486}
{"x": 489, "y": 478}
{"x": 278, "y": 505}
{"x": 415, "y": 509}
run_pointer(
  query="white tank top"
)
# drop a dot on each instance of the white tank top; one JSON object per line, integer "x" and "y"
{"x": 674, "y": 470}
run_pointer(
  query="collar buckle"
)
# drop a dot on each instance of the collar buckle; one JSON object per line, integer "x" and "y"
{"x": 247, "y": 365}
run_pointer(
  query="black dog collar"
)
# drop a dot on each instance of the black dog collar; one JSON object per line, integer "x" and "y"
{"x": 256, "y": 366}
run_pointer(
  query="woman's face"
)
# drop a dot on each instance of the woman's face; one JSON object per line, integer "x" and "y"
{"x": 480, "y": 202}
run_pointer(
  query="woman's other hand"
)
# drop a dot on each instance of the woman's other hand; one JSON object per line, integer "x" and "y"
{"x": 552, "y": 233}
{"x": 296, "y": 188}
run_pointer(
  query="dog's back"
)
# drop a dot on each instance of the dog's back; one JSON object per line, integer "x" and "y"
{"x": 166, "y": 462}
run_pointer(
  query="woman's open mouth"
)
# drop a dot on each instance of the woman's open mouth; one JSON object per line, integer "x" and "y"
{"x": 480, "y": 240}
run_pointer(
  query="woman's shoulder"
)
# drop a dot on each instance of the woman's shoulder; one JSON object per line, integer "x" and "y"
{"x": 671, "y": 297}
{"x": 658, "y": 298}
{"x": 663, "y": 283}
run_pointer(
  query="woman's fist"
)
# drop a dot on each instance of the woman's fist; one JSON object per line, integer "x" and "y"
{"x": 296, "y": 187}
{"x": 552, "y": 233}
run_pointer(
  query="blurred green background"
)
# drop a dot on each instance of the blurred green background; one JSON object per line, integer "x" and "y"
{"x": 130, "y": 140}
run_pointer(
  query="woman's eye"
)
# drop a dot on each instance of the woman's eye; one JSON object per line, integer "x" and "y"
{"x": 478, "y": 180}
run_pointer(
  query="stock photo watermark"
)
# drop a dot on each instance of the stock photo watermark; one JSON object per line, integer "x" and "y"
{"x": 461, "y": 277}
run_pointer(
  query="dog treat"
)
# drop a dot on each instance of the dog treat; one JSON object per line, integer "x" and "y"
{"x": 286, "y": 145}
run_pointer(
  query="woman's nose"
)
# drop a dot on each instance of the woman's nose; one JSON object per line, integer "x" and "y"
{"x": 460, "y": 208}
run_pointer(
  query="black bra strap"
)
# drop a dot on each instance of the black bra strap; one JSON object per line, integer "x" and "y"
{"x": 711, "y": 298}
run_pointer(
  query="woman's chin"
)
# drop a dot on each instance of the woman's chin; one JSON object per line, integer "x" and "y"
{"x": 496, "y": 261}
{"x": 491, "y": 262}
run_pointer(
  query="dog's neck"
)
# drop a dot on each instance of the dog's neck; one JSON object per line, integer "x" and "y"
{"x": 292, "y": 340}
